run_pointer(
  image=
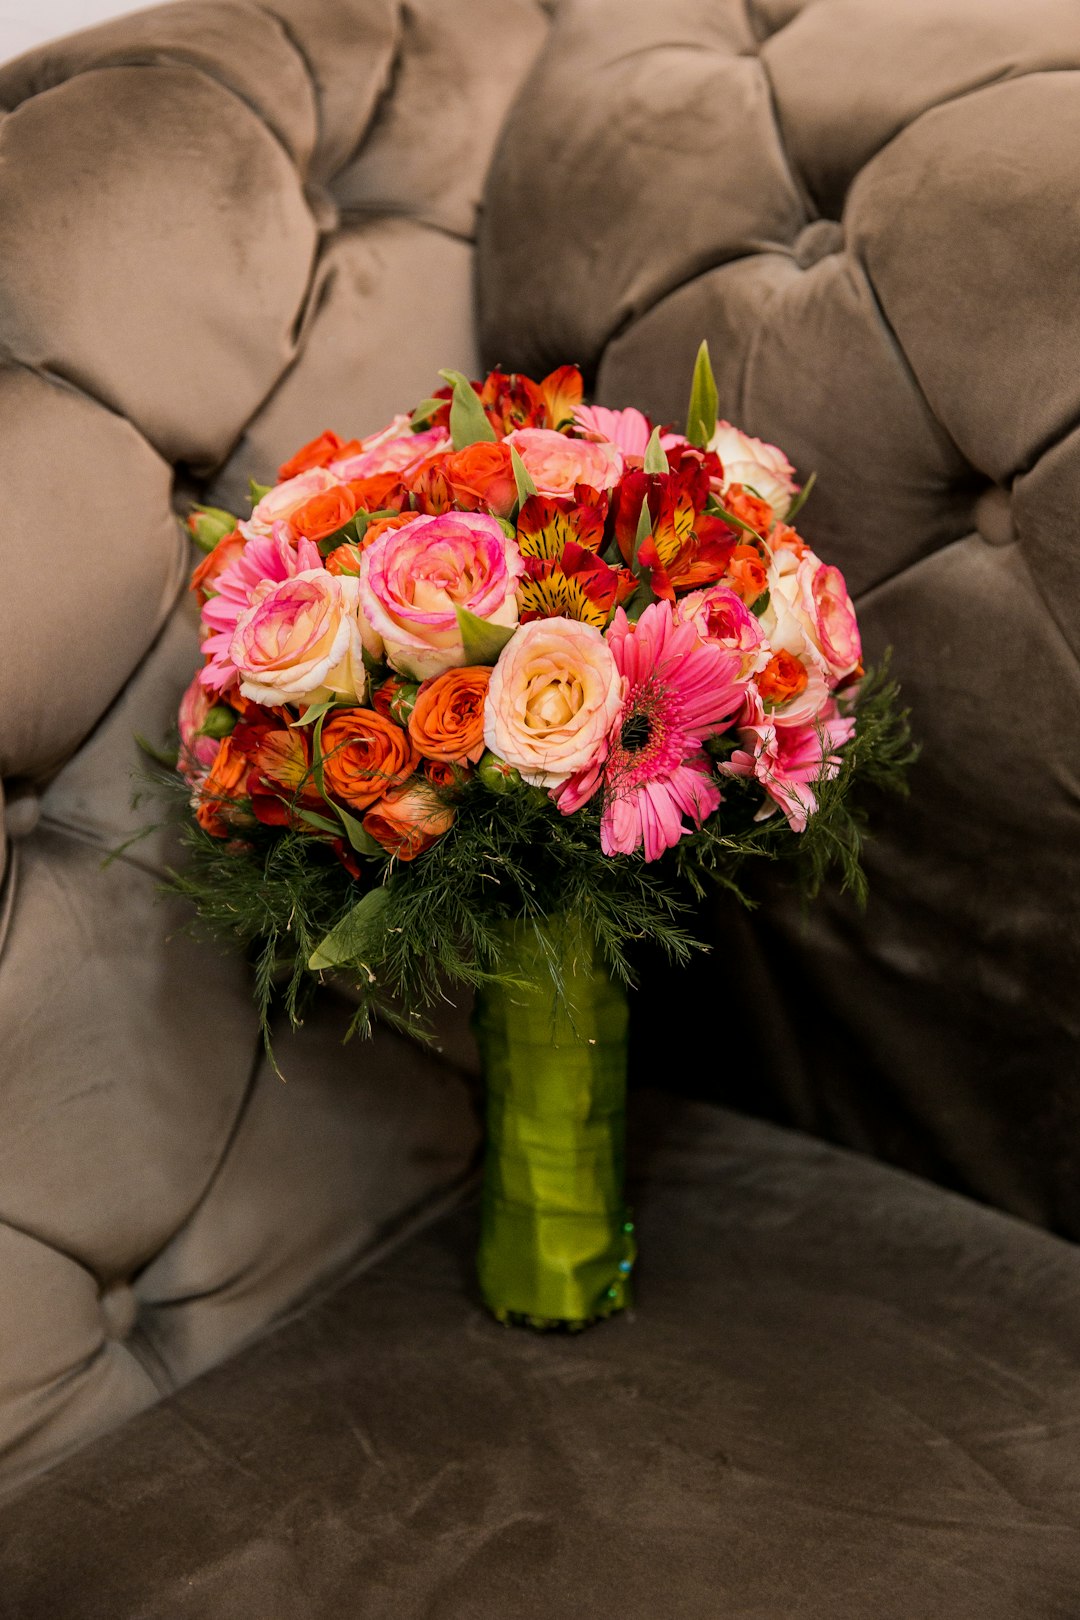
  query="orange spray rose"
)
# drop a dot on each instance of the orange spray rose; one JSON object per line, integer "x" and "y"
{"x": 364, "y": 756}
{"x": 447, "y": 721}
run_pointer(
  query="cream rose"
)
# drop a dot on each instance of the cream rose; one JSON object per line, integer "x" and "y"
{"x": 752, "y": 461}
{"x": 554, "y": 696}
{"x": 301, "y": 640}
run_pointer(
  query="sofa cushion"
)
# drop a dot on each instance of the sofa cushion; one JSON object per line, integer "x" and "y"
{"x": 843, "y": 1393}
{"x": 868, "y": 209}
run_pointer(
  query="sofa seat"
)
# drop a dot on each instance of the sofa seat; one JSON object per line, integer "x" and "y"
{"x": 844, "y": 1392}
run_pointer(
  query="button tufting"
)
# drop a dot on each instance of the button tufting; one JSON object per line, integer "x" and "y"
{"x": 994, "y": 517}
{"x": 22, "y": 808}
{"x": 119, "y": 1307}
{"x": 324, "y": 210}
{"x": 818, "y": 241}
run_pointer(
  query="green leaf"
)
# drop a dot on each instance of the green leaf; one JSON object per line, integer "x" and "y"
{"x": 482, "y": 640}
{"x": 468, "y": 422}
{"x": 656, "y": 460}
{"x": 323, "y": 823}
{"x": 161, "y": 756}
{"x": 314, "y": 711}
{"x": 800, "y": 499}
{"x": 704, "y": 399}
{"x": 361, "y": 840}
{"x": 644, "y": 527}
{"x": 644, "y": 595}
{"x": 356, "y": 936}
{"x": 758, "y": 607}
{"x": 258, "y": 491}
{"x": 424, "y": 412}
{"x": 522, "y": 478}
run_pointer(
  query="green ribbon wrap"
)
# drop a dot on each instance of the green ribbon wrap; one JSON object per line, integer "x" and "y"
{"x": 556, "y": 1242}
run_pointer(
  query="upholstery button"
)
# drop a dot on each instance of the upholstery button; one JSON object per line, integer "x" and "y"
{"x": 324, "y": 209}
{"x": 22, "y": 808}
{"x": 994, "y": 518}
{"x": 119, "y": 1307}
{"x": 817, "y": 241}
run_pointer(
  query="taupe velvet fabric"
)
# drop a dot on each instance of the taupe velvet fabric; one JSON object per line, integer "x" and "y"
{"x": 869, "y": 211}
{"x": 844, "y": 1394}
{"x": 208, "y": 254}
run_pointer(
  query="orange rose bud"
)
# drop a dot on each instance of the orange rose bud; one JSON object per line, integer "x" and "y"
{"x": 746, "y": 573}
{"x": 225, "y": 552}
{"x": 782, "y": 679}
{"x": 218, "y": 810}
{"x": 364, "y": 756}
{"x": 344, "y": 559}
{"x": 482, "y": 476}
{"x": 449, "y": 777}
{"x": 324, "y": 513}
{"x": 319, "y": 452}
{"x": 447, "y": 720}
{"x": 408, "y": 820}
{"x": 380, "y": 526}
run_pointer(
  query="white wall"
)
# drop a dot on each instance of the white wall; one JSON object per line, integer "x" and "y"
{"x": 24, "y": 23}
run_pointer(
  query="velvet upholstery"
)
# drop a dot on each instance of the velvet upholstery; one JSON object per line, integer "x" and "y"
{"x": 844, "y": 1393}
{"x": 225, "y": 226}
{"x": 869, "y": 211}
{"x": 208, "y": 253}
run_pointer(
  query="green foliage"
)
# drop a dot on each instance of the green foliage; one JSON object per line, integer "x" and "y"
{"x": 701, "y": 416}
{"x": 409, "y": 927}
{"x": 468, "y": 419}
{"x": 481, "y": 640}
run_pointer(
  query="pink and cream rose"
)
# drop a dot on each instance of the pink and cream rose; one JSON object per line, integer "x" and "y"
{"x": 719, "y": 615}
{"x": 556, "y": 464}
{"x": 301, "y": 641}
{"x": 279, "y": 503}
{"x": 554, "y": 696}
{"x": 810, "y": 616}
{"x": 414, "y": 578}
{"x": 395, "y": 448}
{"x": 752, "y": 461}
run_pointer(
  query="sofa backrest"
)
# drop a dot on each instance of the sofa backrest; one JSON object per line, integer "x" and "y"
{"x": 870, "y": 210}
{"x": 223, "y": 228}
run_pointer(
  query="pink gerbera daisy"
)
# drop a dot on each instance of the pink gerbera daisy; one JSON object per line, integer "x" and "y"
{"x": 680, "y": 690}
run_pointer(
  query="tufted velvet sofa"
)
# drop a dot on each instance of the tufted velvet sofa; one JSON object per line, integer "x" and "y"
{"x": 241, "y": 1372}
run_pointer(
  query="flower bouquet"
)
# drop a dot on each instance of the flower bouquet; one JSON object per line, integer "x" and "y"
{"x": 490, "y": 696}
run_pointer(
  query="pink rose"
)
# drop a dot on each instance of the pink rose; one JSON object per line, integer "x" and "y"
{"x": 720, "y": 616}
{"x": 300, "y": 641}
{"x": 556, "y": 464}
{"x": 395, "y": 448}
{"x": 413, "y": 578}
{"x": 197, "y": 753}
{"x": 834, "y": 619}
{"x": 553, "y": 698}
{"x": 278, "y": 504}
{"x": 751, "y": 461}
